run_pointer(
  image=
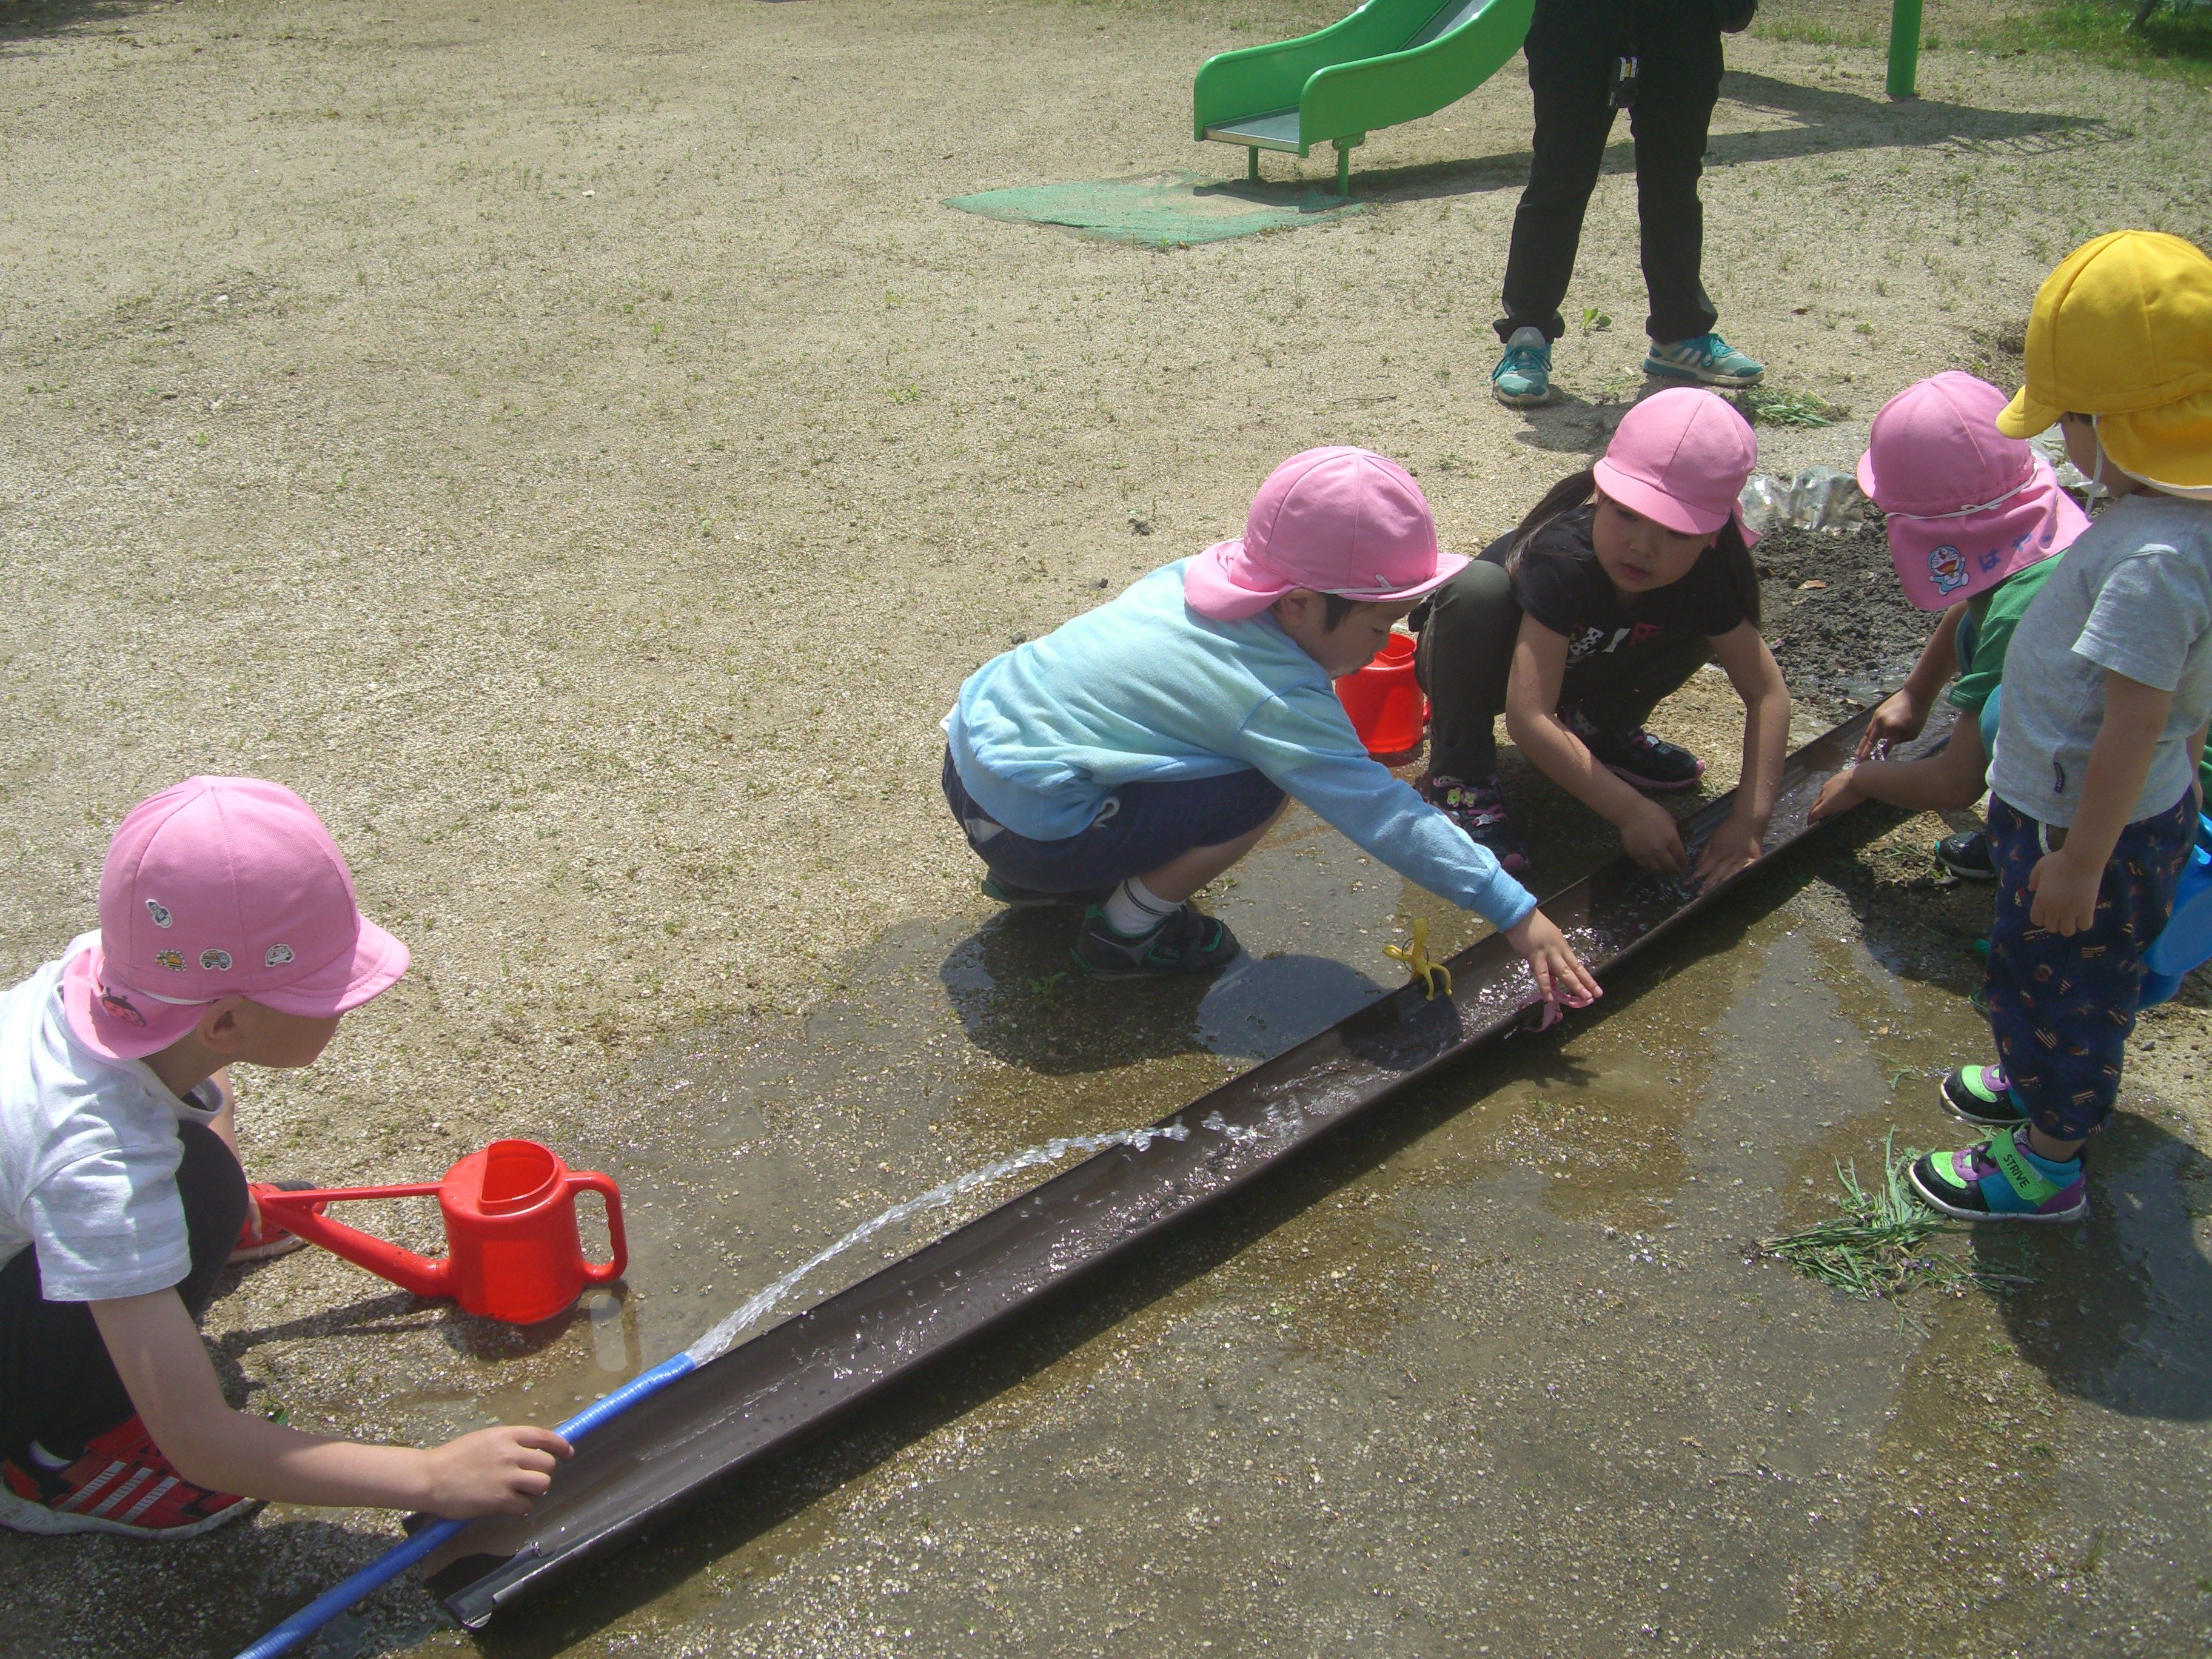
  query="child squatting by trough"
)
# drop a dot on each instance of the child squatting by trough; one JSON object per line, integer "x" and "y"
{"x": 228, "y": 933}
{"x": 1137, "y": 751}
{"x": 1620, "y": 585}
{"x": 1976, "y": 523}
{"x": 2108, "y": 689}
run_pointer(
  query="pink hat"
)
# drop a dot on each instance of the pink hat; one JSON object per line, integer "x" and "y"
{"x": 1968, "y": 506}
{"x": 1336, "y": 520}
{"x": 1680, "y": 458}
{"x": 222, "y": 887}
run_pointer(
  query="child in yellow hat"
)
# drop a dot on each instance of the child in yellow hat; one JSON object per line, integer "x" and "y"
{"x": 2108, "y": 689}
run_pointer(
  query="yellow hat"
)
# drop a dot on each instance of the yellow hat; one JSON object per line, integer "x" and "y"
{"x": 2123, "y": 331}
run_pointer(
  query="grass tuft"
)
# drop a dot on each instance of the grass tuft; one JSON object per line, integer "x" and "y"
{"x": 1764, "y": 408}
{"x": 1879, "y": 1244}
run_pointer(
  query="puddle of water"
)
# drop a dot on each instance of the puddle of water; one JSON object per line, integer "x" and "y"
{"x": 1500, "y": 1343}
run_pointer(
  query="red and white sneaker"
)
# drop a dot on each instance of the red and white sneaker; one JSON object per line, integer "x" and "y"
{"x": 261, "y": 1236}
{"x": 122, "y": 1484}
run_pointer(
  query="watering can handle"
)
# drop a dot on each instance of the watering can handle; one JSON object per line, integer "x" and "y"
{"x": 302, "y": 1213}
{"x": 592, "y": 1180}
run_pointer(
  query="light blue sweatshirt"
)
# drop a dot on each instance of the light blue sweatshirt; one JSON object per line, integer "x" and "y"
{"x": 1144, "y": 689}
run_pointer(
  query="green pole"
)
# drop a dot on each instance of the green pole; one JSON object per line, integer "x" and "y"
{"x": 1905, "y": 49}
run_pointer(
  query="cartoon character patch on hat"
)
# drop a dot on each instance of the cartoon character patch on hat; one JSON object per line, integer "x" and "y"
{"x": 118, "y": 1006}
{"x": 171, "y": 960}
{"x": 215, "y": 960}
{"x": 1947, "y": 568}
{"x": 278, "y": 956}
{"x": 159, "y": 912}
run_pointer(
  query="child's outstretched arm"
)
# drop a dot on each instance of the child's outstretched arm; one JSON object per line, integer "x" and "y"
{"x": 1532, "y": 721}
{"x": 1940, "y": 783}
{"x": 1902, "y": 714}
{"x": 158, "y": 1353}
{"x": 1751, "y": 668}
{"x": 2065, "y": 883}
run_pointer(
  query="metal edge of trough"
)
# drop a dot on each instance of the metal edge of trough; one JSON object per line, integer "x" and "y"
{"x": 794, "y": 1379}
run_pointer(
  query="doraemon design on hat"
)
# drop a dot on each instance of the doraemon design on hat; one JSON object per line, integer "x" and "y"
{"x": 1947, "y": 568}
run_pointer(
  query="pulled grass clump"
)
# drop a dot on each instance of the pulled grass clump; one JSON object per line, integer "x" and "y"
{"x": 1764, "y": 408}
{"x": 1879, "y": 1244}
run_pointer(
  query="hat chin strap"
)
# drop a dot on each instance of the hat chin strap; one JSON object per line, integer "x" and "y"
{"x": 1979, "y": 507}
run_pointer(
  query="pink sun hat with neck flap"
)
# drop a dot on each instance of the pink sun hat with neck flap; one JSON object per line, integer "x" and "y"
{"x": 1680, "y": 458}
{"x": 1968, "y": 506}
{"x": 1336, "y": 520}
{"x": 215, "y": 888}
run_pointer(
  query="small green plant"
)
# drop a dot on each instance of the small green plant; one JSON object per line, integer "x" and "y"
{"x": 1762, "y": 407}
{"x": 903, "y": 394}
{"x": 1595, "y": 321}
{"x": 1879, "y": 1244}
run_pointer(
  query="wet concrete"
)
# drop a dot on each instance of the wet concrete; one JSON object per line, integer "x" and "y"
{"x": 1499, "y": 1372}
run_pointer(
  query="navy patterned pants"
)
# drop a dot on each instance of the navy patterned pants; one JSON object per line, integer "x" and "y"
{"x": 2061, "y": 1009}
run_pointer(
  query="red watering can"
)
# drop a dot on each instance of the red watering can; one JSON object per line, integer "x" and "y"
{"x": 513, "y": 1252}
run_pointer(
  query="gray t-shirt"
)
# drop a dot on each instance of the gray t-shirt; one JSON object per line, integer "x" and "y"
{"x": 2132, "y": 596}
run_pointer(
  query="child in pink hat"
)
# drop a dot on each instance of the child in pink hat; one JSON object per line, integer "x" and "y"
{"x": 228, "y": 933}
{"x": 1976, "y": 523}
{"x": 1135, "y": 753}
{"x": 1622, "y": 583}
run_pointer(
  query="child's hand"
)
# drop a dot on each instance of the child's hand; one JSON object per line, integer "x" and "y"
{"x": 1838, "y": 794}
{"x": 1653, "y": 841}
{"x": 1734, "y": 846}
{"x": 2065, "y": 893}
{"x": 1898, "y": 719}
{"x": 1560, "y": 975}
{"x": 499, "y": 1471}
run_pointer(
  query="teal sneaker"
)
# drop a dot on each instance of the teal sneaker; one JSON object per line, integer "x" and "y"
{"x": 1523, "y": 378}
{"x": 2002, "y": 1180}
{"x": 1707, "y": 357}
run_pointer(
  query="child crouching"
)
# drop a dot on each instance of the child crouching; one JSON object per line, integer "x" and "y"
{"x": 1976, "y": 522}
{"x": 1135, "y": 753}
{"x": 228, "y": 933}
{"x": 2108, "y": 687}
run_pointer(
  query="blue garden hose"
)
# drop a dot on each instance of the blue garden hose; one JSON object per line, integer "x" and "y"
{"x": 401, "y": 1556}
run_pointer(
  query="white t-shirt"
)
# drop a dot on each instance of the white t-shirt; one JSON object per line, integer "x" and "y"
{"x": 89, "y": 1154}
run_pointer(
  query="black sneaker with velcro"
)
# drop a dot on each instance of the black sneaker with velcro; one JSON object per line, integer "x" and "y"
{"x": 1967, "y": 855}
{"x": 1634, "y": 755}
{"x": 1188, "y": 942}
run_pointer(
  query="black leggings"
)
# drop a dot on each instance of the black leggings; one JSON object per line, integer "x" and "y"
{"x": 1465, "y": 658}
{"x": 1572, "y": 48}
{"x": 58, "y": 1386}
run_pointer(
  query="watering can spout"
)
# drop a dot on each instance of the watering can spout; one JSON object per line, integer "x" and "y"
{"x": 302, "y": 1213}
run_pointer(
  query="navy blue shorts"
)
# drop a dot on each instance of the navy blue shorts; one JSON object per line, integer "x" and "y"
{"x": 2062, "y": 1009}
{"x": 1140, "y": 827}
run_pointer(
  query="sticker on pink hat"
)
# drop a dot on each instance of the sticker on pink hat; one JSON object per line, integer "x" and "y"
{"x": 244, "y": 868}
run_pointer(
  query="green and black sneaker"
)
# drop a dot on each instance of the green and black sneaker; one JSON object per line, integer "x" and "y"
{"x": 1983, "y": 1094}
{"x": 1188, "y": 942}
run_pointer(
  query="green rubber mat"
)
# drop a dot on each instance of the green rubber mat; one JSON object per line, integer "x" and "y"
{"x": 1163, "y": 210}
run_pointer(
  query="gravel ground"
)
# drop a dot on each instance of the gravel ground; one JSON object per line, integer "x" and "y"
{"x": 575, "y": 448}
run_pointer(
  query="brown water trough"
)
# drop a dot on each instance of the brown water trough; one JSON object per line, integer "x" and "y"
{"x": 794, "y": 1380}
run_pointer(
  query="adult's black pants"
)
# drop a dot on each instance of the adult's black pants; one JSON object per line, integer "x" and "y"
{"x": 58, "y": 1386}
{"x": 1572, "y": 48}
{"x": 1465, "y": 658}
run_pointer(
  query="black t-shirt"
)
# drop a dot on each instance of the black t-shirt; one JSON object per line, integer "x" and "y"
{"x": 1561, "y": 583}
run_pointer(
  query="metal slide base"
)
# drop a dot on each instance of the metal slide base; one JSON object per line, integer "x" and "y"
{"x": 790, "y": 1382}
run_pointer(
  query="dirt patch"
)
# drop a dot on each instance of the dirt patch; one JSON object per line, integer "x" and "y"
{"x": 1836, "y": 618}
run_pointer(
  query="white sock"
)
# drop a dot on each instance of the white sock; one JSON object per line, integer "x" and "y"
{"x": 1133, "y": 909}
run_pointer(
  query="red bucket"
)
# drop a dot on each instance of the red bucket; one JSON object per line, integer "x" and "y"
{"x": 1387, "y": 707}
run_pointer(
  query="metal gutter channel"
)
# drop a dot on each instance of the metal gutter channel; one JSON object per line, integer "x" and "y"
{"x": 793, "y": 1380}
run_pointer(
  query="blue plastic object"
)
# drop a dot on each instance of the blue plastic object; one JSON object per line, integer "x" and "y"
{"x": 401, "y": 1556}
{"x": 2187, "y": 942}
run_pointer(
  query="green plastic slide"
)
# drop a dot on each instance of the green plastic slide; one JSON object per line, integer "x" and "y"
{"x": 1390, "y": 61}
